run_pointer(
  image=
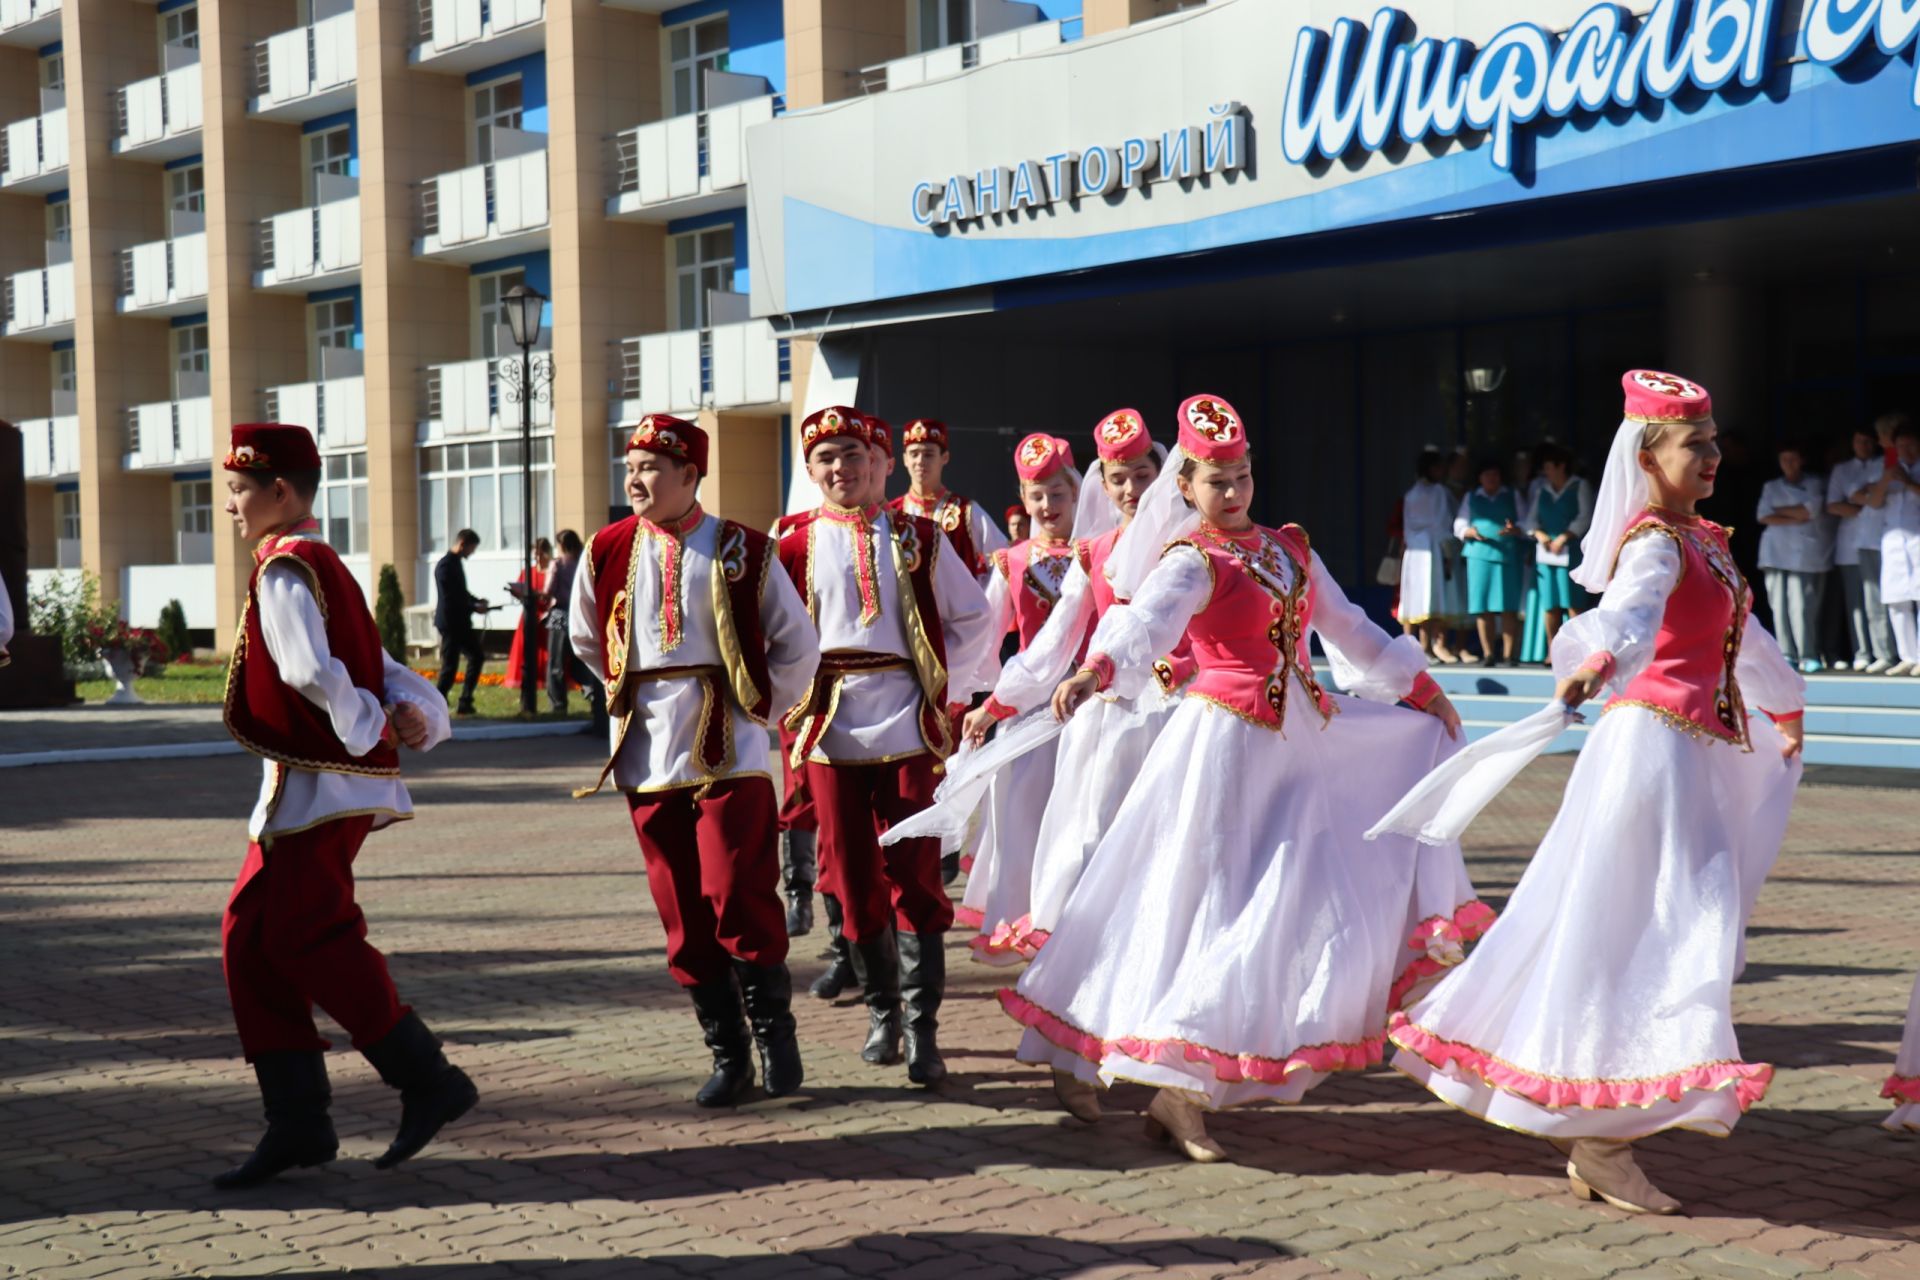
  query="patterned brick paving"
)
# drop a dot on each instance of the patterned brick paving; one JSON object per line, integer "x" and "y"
{"x": 519, "y": 924}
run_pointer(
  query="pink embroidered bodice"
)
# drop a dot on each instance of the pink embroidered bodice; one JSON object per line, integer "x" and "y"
{"x": 1252, "y": 634}
{"x": 1035, "y": 573}
{"x": 1690, "y": 681}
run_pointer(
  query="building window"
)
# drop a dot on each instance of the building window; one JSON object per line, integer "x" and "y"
{"x": 53, "y": 73}
{"x": 66, "y": 528}
{"x": 180, "y": 27}
{"x": 490, "y": 311}
{"x": 498, "y": 104}
{"x": 702, "y": 261}
{"x": 191, "y": 363}
{"x": 65, "y": 371}
{"x": 942, "y": 22}
{"x": 329, "y": 154}
{"x": 341, "y": 506}
{"x": 186, "y": 200}
{"x": 60, "y": 222}
{"x": 693, "y": 49}
{"x": 333, "y": 325}
{"x": 477, "y": 486}
{"x": 193, "y": 521}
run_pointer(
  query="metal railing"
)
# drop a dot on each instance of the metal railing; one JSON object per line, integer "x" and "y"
{"x": 264, "y": 262}
{"x": 785, "y": 347}
{"x": 120, "y": 117}
{"x": 128, "y": 275}
{"x": 625, "y": 167}
{"x": 6, "y": 300}
{"x": 423, "y": 21}
{"x": 133, "y": 429}
{"x": 263, "y": 73}
{"x": 626, "y": 369}
{"x": 706, "y": 364}
{"x": 6, "y": 150}
{"x": 430, "y": 411}
{"x": 429, "y": 209}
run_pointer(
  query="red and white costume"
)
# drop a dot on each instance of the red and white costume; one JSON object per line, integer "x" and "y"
{"x": 702, "y": 642}
{"x": 1024, "y": 586}
{"x": 1903, "y": 1084}
{"x": 1599, "y": 1005}
{"x": 971, "y": 531}
{"x": 901, "y": 622}
{"x": 1232, "y": 936}
{"x": 307, "y": 691}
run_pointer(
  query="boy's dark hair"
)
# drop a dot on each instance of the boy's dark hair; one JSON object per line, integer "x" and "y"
{"x": 1554, "y": 453}
{"x": 570, "y": 543}
{"x": 304, "y": 483}
{"x": 465, "y": 536}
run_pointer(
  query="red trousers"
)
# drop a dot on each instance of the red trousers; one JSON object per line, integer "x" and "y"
{"x": 294, "y": 937}
{"x": 897, "y": 886}
{"x": 796, "y": 808}
{"x": 714, "y": 868}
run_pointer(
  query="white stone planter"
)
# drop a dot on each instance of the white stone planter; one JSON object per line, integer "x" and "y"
{"x": 120, "y": 667}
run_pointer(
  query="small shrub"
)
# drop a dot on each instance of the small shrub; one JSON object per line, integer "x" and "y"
{"x": 390, "y": 614}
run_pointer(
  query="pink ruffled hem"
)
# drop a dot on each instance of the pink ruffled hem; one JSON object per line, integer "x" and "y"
{"x": 967, "y": 918}
{"x": 966, "y": 863}
{"x": 1468, "y": 922}
{"x": 1749, "y": 1080}
{"x": 1228, "y": 1068}
{"x": 1903, "y": 1088}
{"x": 1007, "y": 943}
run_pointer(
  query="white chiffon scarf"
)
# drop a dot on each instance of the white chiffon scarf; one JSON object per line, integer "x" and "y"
{"x": 1623, "y": 495}
{"x": 1161, "y": 517}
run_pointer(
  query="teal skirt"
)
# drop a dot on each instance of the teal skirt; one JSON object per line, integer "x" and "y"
{"x": 1493, "y": 586}
{"x": 1558, "y": 590}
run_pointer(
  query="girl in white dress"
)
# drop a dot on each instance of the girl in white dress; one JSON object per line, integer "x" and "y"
{"x": 1598, "y": 1010}
{"x": 1232, "y": 939}
{"x": 1903, "y": 1085}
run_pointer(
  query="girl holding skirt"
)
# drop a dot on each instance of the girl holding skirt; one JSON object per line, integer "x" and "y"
{"x": 1598, "y": 1010}
{"x": 1232, "y": 939}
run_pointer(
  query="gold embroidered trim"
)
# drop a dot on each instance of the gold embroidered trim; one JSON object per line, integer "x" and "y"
{"x": 266, "y": 838}
{"x": 928, "y": 665}
{"x": 1674, "y": 720}
{"x": 854, "y": 764}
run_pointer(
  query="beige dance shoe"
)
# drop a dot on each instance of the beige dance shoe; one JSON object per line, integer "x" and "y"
{"x": 1602, "y": 1169}
{"x": 1178, "y": 1123}
{"x": 1077, "y": 1098}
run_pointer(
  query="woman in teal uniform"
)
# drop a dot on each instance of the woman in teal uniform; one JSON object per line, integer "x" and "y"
{"x": 1562, "y": 510}
{"x": 1489, "y": 526}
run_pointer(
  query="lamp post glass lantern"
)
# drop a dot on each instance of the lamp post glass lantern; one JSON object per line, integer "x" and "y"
{"x": 526, "y": 383}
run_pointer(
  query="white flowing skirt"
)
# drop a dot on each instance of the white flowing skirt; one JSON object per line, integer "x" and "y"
{"x": 1600, "y": 1005}
{"x": 1903, "y": 1086}
{"x": 1000, "y": 881}
{"x": 1233, "y": 935}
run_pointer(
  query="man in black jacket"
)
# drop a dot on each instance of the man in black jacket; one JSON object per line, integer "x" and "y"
{"x": 453, "y": 610}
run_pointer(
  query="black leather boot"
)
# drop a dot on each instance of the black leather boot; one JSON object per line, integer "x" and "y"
{"x": 877, "y": 962}
{"x": 724, "y": 1022}
{"x": 949, "y": 867}
{"x": 839, "y": 975}
{"x": 299, "y": 1132}
{"x": 923, "y": 985}
{"x": 768, "y": 990}
{"x": 433, "y": 1092}
{"x": 799, "y": 869}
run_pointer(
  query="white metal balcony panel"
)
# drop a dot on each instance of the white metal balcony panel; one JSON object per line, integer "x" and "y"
{"x": 473, "y": 399}
{"x": 146, "y": 589}
{"x": 36, "y": 151}
{"x": 663, "y": 174}
{"x": 309, "y": 70}
{"x": 746, "y": 364}
{"x": 162, "y": 116}
{"x": 29, "y": 23}
{"x": 948, "y": 60}
{"x": 1016, "y": 43}
{"x": 468, "y": 230}
{"x": 52, "y": 447}
{"x": 670, "y": 371}
{"x": 335, "y": 410}
{"x": 172, "y": 434}
{"x": 461, "y": 39}
{"x": 313, "y": 247}
{"x": 169, "y": 277}
{"x": 42, "y": 304}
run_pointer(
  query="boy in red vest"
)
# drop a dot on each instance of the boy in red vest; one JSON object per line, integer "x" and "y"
{"x": 702, "y": 642}
{"x": 971, "y": 531}
{"x": 897, "y": 610}
{"x": 313, "y": 694}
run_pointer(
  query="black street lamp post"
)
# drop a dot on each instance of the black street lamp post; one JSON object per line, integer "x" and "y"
{"x": 525, "y": 383}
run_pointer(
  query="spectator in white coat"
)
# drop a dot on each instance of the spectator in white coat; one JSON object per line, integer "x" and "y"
{"x": 1856, "y": 553}
{"x": 1895, "y": 494}
{"x": 1796, "y": 552}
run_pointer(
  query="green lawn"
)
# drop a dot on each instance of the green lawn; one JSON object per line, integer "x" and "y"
{"x": 205, "y": 682}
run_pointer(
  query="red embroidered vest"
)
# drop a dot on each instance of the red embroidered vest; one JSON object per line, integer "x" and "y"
{"x": 272, "y": 719}
{"x": 742, "y": 558}
{"x": 915, "y": 546}
{"x": 1253, "y": 631}
{"x": 1690, "y": 682}
{"x": 953, "y": 515}
{"x": 1033, "y": 594}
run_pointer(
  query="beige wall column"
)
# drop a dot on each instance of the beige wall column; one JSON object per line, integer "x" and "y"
{"x": 603, "y": 76}
{"x": 743, "y": 468}
{"x": 1101, "y": 16}
{"x": 26, "y": 378}
{"x": 253, "y": 169}
{"x": 828, "y": 41}
{"x": 120, "y": 361}
{"x": 415, "y": 313}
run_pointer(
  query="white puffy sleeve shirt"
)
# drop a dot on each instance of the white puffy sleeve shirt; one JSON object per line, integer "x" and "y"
{"x": 296, "y": 636}
{"x": 1798, "y": 548}
{"x": 1029, "y": 677}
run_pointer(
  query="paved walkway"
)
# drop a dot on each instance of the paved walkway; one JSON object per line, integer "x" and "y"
{"x": 518, "y": 923}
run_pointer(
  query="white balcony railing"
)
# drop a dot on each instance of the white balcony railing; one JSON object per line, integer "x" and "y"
{"x": 466, "y": 398}
{"x": 30, "y": 22}
{"x": 952, "y": 59}
{"x": 165, "y": 277}
{"x": 304, "y": 244}
{"x": 39, "y": 303}
{"x": 33, "y": 152}
{"x": 336, "y": 409}
{"x": 172, "y": 433}
{"x": 730, "y": 366}
{"x": 448, "y": 27}
{"x": 160, "y": 110}
{"x": 484, "y": 203}
{"x": 307, "y": 65}
{"x": 52, "y": 447}
{"x": 686, "y": 158}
